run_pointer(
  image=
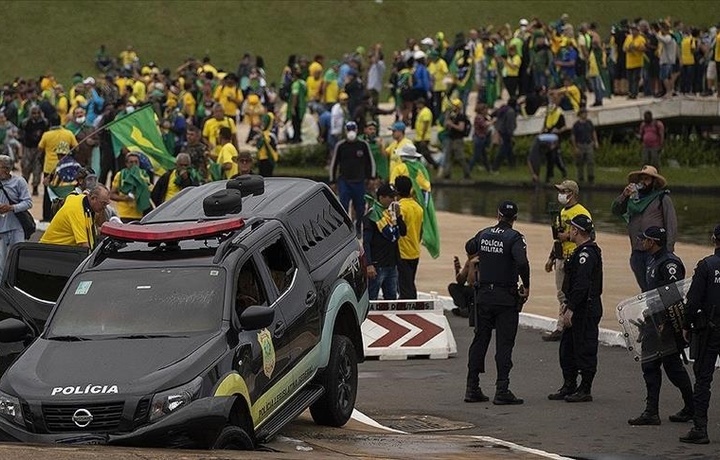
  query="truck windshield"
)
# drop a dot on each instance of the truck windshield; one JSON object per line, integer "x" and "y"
{"x": 140, "y": 303}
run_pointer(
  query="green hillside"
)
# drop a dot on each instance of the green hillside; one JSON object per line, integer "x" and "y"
{"x": 62, "y": 36}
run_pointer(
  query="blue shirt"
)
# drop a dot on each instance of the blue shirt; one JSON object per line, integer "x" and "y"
{"x": 421, "y": 78}
{"x": 569, "y": 55}
{"x": 17, "y": 190}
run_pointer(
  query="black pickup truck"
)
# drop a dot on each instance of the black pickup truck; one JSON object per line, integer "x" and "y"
{"x": 212, "y": 322}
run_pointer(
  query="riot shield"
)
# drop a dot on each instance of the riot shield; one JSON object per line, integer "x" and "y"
{"x": 652, "y": 321}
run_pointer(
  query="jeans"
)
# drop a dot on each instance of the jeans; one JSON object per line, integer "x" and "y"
{"x": 687, "y": 75}
{"x": 355, "y": 192}
{"x": 638, "y": 265}
{"x": 479, "y": 153}
{"x": 505, "y": 151}
{"x": 7, "y": 239}
{"x": 596, "y": 86}
{"x": 407, "y": 270}
{"x": 387, "y": 279}
{"x": 634, "y": 81}
{"x": 586, "y": 158}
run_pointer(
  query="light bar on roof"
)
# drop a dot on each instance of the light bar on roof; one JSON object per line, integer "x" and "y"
{"x": 174, "y": 231}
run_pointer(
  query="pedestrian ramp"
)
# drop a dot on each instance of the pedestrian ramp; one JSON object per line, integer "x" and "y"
{"x": 402, "y": 329}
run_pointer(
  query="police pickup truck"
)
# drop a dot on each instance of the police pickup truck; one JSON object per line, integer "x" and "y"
{"x": 212, "y": 322}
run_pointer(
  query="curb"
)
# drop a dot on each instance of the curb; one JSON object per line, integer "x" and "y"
{"x": 607, "y": 337}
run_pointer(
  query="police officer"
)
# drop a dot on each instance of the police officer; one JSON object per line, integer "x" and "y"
{"x": 582, "y": 287}
{"x": 703, "y": 306}
{"x": 663, "y": 268}
{"x": 502, "y": 254}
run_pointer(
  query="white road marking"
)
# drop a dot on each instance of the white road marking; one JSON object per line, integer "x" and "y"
{"x": 362, "y": 418}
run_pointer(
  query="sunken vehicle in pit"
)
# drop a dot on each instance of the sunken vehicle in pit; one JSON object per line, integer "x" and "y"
{"x": 212, "y": 322}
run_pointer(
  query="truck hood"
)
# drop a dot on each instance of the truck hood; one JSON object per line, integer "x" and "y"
{"x": 65, "y": 371}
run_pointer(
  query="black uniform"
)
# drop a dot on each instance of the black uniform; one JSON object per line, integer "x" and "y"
{"x": 664, "y": 268}
{"x": 503, "y": 257}
{"x": 703, "y": 303}
{"x": 579, "y": 343}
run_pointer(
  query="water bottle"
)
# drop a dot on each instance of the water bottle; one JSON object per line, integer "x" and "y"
{"x": 635, "y": 195}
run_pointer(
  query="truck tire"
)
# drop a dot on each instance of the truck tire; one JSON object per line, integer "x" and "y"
{"x": 234, "y": 438}
{"x": 340, "y": 380}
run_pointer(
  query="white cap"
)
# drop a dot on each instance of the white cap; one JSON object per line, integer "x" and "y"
{"x": 89, "y": 81}
{"x": 523, "y": 22}
{"x": 409, "y": 150}
{"x": 427, "y": 41}
{"x": 418, "y": 55}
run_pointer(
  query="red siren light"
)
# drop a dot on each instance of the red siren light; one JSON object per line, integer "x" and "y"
{"x": 173, "y": 231}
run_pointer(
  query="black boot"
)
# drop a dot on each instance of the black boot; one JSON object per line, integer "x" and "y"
{"x": 685, "y": 415}
{"x": 503, "y": 396}
{"x": 697, "y": 435}
{"x": 583, "y": 393}
{"x": 475, "y": 394}
{"x": 568, "y": 388}
{"x": 646, "y": 418}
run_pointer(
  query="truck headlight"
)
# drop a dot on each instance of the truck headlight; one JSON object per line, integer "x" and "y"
{"x": 169, "y": 401}
{"x": 10, "y": 408}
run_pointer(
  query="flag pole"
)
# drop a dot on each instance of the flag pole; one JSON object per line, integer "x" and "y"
{"x": 104, "y": 127}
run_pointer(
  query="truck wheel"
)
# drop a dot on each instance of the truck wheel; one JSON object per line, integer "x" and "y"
{"x": 339, "y": 379}
{"x": 234, "y": 438}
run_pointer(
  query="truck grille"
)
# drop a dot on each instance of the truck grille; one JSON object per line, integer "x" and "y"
{"x": 106, "y": 416}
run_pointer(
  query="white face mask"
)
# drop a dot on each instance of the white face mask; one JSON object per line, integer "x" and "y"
{"x": 80, "y": 120}
{"x": 351, "y": 135}
{"x": 562, "y": 198}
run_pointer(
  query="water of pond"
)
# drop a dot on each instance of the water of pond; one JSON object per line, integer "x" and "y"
{"x": 697, "y": 213}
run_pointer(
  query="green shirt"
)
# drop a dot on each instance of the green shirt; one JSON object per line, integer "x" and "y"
{"x": 299, "y": 89}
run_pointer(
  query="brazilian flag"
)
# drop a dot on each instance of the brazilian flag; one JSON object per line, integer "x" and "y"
{"x": 137, "y": 131}
{"x": 430, "y": 233}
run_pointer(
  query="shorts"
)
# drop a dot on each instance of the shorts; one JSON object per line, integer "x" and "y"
{"x": 665, "y": 71}
{"x": 711, "y": 72}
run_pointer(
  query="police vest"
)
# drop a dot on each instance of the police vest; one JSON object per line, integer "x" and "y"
{"x": 497, "y": 265}
{"x": 661, "y": 270}
{"x": 712, "y": 292}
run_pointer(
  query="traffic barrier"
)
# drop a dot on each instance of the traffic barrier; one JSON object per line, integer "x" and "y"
{"x": 399, "y": 329}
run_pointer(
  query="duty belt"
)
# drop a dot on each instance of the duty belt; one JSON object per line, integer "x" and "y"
{"x": 492, "y": 286}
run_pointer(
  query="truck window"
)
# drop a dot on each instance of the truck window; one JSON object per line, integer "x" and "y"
{"x": 43, "y": 275}
{"x": 249, "y": 291}
{"x": 281, "y": 264}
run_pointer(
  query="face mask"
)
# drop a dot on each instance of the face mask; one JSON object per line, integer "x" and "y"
{"x": 562, "y": 198}
{"x": 80, "y": 120}
{"x": 351, "y": 135}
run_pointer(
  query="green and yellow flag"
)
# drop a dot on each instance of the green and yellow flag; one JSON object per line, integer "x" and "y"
{"x": 138, "y": 131}
{"x": 430, "y": 232}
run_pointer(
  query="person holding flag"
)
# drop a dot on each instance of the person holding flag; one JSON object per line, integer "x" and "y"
{"x": 412, "y": 167}
{"x": 266, "y": 144}
{"x": 131, "y": 189}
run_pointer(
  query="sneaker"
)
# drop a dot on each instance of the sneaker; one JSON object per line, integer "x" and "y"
{"x": 473, "y": 395}
{"x": 563, "y": 391}
{"x": 685, "y": 415}
{"x": 504, "y": 398}
{"x": 646, "y": 418}
{"x": 696, "y": 436}
{"x": 553, "y": 336}
{"x": 579, "y": 396}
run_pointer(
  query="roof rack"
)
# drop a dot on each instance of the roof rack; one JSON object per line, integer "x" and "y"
{"x": 175, "y": 231}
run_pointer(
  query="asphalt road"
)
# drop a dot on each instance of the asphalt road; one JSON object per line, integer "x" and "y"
{"x": 599, "y": 429}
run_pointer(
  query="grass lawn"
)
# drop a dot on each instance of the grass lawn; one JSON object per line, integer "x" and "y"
{"x": 62, "y": 36}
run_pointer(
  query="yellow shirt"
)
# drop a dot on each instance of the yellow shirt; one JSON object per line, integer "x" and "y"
{"x": 401, "y": 169}
{"x": 313, "y": 88}
{"x": 687, "y": 50}
{"x": 717, "y": 48}
{"x": 128, "y": 57}
{"x": 172, "y": 188}
{"x": 423, "y": 123}
{"x": 573, "y": 93}
{"x": 412, "y": 214}
{"x": 189, "y": 104}
{"x": 438, "y": 71}
{"x": 51, "y": 141}
{"x": 211, "y": 131}
{"x": 223, "y": 94}
{"x": 140, "y": 91}
{"x": 566, "y": 215}
{"x": 392, "y": 149}
{"x": 634, "y": 57}
{"x": 515, "y": 60}
{"x": 228, "y": 154}
{"x": 253, "y": 114}
{"x": 125, "y": 209}
{"x": 332, "y": 90}
{"x": 73, "y": 224}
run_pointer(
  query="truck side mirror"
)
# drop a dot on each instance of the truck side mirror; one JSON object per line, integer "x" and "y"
{"x": 13, "y": 330}
{"x": 255, "y": 317}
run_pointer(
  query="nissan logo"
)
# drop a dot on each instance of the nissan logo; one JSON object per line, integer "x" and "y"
{"x": 82, "y": 418}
